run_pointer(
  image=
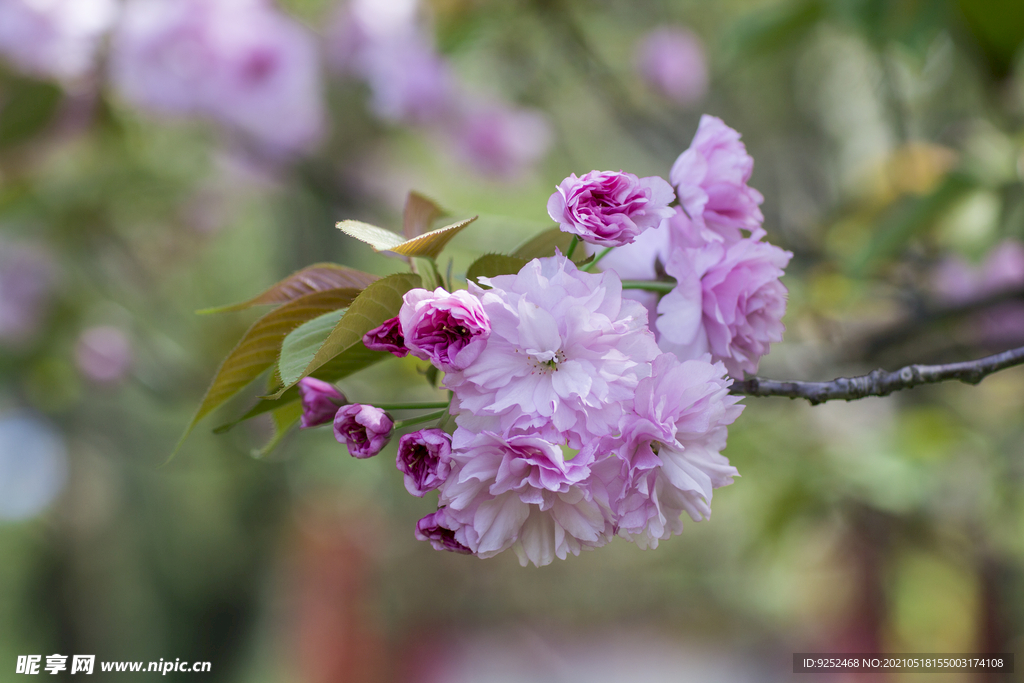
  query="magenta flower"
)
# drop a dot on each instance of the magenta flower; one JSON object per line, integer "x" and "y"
{"x": 711, "y": 179}
{"x": 449, "y": 329}
{"x": 565, "y": 351}
{"x": 364, "y": 429}
{"x": 387, "y": 337}
{"x": 671, "y": 60}
{"x": 435, "y": 528}
{"x": 728, "y": 300}
{"x": 610, "y": 208}
{"x": 423, "y": 459}
{"x": 240, "y": 62}
{"x": 54, "y": 38}
{"x": 320, "y": 401}
{"x": 520, "y": 492}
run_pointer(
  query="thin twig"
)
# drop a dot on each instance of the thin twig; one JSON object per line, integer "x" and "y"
{"x": 881, "y": 382}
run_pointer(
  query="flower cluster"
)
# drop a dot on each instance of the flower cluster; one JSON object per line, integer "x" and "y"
{"x": 727, "y": 299}
{"x": 573, "y": 423}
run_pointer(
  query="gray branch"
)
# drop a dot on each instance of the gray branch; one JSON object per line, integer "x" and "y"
{"x": 881, "y": 382}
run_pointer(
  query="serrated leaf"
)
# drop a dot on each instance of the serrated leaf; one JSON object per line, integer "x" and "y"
{"x": 301, "y": 344}
{"x": 284, "y": 418}
{"x": 428, "y": 245}
{"x": 378, "y": 238}
{"x": 545, "y": 244}
{"x": 315, "y": 278}
{"x": 491, "y": 265}
{"x": 375, "y": 304}
{"x": 260, "y": 345}
{"x": 420, "y": 212}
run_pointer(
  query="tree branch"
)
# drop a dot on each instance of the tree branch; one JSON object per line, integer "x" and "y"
{"x": 881, "y": 382}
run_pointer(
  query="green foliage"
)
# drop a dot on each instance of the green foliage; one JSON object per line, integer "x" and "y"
{"x": 428, "y": 245}
{"x": 27, "y": 107}
{"x": 491, "y": 265}
{"x": 313, "y": 278}
{"x": 301, "y": 345}
{"x": 545, "y": 244}
{"x": 260, "y": 346}
{"x": 375, "y": 304}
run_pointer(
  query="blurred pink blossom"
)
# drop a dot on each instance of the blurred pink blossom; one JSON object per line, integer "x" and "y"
{"x": 54, "y": 38}
{"x": 27, "y": 279}
{"x": 500, "y": 140}
{"x": 103, "y": 354}
{"x": 240, "y": 62}
{"x": 958, "y": 282}
{"x": 671, "y": 60}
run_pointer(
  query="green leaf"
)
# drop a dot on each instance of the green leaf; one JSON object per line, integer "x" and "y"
{"x": 259, "y": 347}
{"x": 375, "y": 304}
{"x": 301, "y": 344}
{"x": 491, "y": 265}
{"x": 341, "y": 366}
{"x": 28, "y": 107}
{"x": 545, "y": 244}
{"x": 427, "y": 269}
{"x": 284, "y": 418}
{"x": 428, "y": 245}
{"x": 315, "y": 278}
{"x": 419, "y": 213}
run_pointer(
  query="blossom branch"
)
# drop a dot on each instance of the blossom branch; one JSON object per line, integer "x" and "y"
{"x": 881, "y": 382}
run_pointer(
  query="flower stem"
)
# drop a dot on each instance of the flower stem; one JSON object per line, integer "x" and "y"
{"x": 590, "y": 266}
{"x": 418, "y": 420}
{"x": 649, "y": 285}
{"x": 411, "y": 406}
{"x": 572, "y": 247}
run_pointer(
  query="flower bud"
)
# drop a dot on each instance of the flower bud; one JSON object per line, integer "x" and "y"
{"x": 364, "y": 429}
{"x": 320, "y": 401}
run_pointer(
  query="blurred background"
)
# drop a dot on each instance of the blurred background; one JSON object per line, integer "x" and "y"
{"x": 163, "y": 156}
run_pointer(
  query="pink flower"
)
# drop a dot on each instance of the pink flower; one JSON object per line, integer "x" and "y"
{"x": 320, "y": 401}
{"x": 240, "y": 62}
{"x": 520, "y": 492}
{"x": 54, "y": 38}
{"x": 711, "y": 179}
{"x": 671, "y": 60}
{"x": 667, "y": 456}
{"x": 103, "y": 354}
{"x": 364, "y": 429}
{"x": 387, "y": 337}
{"x": 436, "y": 528}
{"x": 423, "y": 459}
{"x": 610, "y": 208}
{"x": 564, "y": 352}
{"x": 449, "y": 329}
{"x": 728, "y": 300}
